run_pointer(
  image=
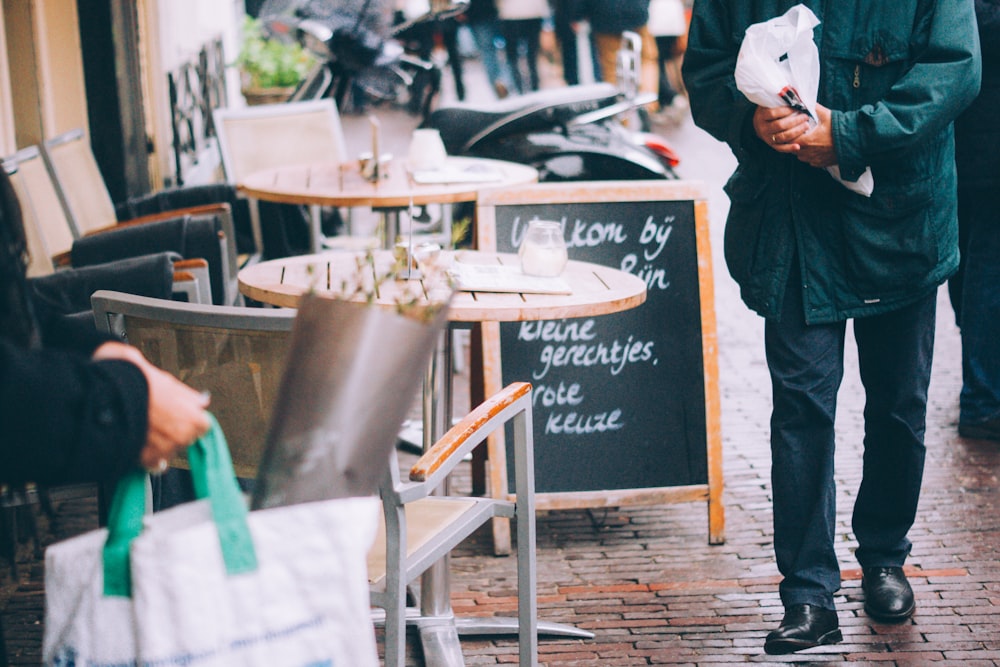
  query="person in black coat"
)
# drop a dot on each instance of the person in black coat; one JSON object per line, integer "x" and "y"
{"x": 75, "y": 405}
{"x": 975, "y": 289}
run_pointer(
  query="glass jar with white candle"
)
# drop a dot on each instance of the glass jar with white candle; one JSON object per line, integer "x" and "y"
{"x": 543, "y": 249}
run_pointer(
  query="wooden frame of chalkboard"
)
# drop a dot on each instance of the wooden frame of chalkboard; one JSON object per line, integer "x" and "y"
{"x": 626, "y": 406}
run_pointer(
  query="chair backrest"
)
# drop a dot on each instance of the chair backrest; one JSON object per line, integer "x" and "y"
{"x": 39, "y": 257}
{"x": 277, "y": 135}
{"x": 80, "y": 184}
{"x": 236, "y": 353}
{"x": 40, "y": 205}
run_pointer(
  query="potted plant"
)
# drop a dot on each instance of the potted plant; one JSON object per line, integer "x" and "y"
{"x": 269, "y": 68}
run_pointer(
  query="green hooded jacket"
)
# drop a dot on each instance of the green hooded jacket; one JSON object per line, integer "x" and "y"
{"x": 895, "y": 74}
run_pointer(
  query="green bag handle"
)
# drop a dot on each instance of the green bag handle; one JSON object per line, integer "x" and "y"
{"x": 213, "y": 477}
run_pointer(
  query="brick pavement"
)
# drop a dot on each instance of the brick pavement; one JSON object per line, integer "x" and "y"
{"x": 645, "y": 580}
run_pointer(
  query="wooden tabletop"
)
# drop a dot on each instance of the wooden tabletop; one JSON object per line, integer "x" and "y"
{"x": 341, "y": 184}
{"x": 596, "y": 289}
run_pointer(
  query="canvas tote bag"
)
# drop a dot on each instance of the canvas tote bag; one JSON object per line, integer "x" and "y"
{"x": 212, "y": 584}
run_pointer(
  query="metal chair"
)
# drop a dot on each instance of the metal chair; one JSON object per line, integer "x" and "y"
{"x": 422, "y": 527}
{"x": 240, "y": 353}
{"x": 278, "y": 135}
{"x": 50, "y": 236}
{"x": 236, "y": 353}
{"x": 89, "y": 209}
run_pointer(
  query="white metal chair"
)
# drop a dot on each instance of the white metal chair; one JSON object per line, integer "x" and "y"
{"x": 423, "y": 527}
{"x": 279, "y": 135}
{"x": 239, "y": 353}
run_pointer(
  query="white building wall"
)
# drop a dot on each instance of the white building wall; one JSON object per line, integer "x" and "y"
{"x": 178, "y": 30}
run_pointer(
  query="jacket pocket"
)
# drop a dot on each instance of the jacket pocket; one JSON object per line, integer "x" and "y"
{"x": 861, "y": 70}
{"x": 890, "y": 244}
{"x": 743, "y": 242}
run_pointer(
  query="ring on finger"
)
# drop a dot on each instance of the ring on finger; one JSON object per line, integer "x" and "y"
{"x": 774, "y": 138}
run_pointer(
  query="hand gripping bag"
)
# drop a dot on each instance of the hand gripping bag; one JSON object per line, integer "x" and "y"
{"x": 778, "y": 65}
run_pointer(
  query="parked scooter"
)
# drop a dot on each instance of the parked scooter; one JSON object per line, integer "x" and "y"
{"x": 568, "y": 134}
{"x": 361, "y": 63}
{"x": 574, "y": 133}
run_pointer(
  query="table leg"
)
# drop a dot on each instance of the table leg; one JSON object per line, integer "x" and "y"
{"x": 390, "y": 227}
{"x": 315, "y": 228}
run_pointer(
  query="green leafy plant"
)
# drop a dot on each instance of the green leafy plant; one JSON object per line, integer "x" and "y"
{"x": 270, "y": 63}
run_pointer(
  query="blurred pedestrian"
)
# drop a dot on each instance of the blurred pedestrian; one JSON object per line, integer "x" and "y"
{"x": 521, "y": 26}
{"x": 423, "y": 37}
{"x": 564, "y": 24}
{"x": 809, "y": 254}
{"x": 76, "y": 405}
{"x": 447, "y": 29}
{"x": 484, "y": 23}
{"x": 667, "y": 24}
{"x": 975, "y": 289}
{"x": 608, "y": 20}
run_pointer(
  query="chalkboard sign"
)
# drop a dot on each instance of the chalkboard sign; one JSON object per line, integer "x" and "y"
{"x": 626, "y": 404}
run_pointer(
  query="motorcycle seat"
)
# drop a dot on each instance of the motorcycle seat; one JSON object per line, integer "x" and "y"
{"x": 465, "y": 124}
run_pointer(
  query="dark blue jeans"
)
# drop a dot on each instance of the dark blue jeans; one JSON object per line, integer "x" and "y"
{"x": 806, "y": 365}
{"x": 975, "y": 293}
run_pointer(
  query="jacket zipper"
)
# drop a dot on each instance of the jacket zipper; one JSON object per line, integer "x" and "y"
{"x": 857, "y": 76}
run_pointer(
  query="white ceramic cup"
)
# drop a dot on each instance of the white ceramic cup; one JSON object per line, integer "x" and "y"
{"x": 426, "y": 150}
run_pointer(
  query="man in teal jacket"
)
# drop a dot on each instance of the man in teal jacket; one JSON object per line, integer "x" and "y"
{"x": 808, "y": 254}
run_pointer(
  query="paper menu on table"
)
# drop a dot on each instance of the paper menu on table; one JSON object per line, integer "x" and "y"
{"x": 458, "y": 173}
{"x": 498, "y": 278}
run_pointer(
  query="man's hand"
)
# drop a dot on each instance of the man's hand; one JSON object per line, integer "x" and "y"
{"x": 176, "y": 411}
{"x": 816, "y": 147}
{"x": 780, "y": 127}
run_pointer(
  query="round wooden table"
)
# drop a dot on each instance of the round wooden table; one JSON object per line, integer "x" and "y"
{"x": 461, "y": 179}
{"x": 595, "y": 290}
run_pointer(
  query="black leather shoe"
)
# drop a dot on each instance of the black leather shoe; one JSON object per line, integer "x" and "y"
{"x": 804, "y": 626}
{"x": 984, "y": 430}
{"x": 888, "y": 596}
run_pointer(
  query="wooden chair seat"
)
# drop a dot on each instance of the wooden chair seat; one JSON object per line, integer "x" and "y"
{"x": 426, "y": 519}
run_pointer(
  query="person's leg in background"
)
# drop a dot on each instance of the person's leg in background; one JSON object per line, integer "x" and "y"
{"x": 566, "y": 37}
{"x": 531, "y": 33}
{"x": 664, "y": 53}
{"x": 487, "y": 34}
{"x": 512, "y": 47}
{"x": 449, "y": 36}
{"x": 649, "y": 79}
{"x": 606, "y": 45}
{"x": 978, "y": 313}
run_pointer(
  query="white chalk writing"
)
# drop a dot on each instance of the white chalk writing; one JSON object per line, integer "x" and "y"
{"x": 577, "y": 424}
{"x": 615, "y": 355}
{"x": 578, "y": 234}
{"x": 556, "y": 331}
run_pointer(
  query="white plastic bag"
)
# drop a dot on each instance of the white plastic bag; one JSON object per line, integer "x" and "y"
{"x": 778, "y": 65}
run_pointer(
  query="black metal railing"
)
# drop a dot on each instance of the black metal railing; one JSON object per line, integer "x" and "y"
{"x": 196, "y": 89}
